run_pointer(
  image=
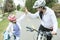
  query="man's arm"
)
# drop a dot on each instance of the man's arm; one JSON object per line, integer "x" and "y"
{"x": 55, "y": 23}
{"x": 35, "y": 15}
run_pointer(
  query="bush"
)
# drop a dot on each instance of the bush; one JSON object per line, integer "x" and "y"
{"x": 56, "y": 8}
{"x": 9, "y": 6}
{"x": 29, "y": 5}
{"x": 50, "y": 3}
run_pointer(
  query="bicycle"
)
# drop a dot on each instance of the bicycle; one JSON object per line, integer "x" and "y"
{"x": 42, "y": 35}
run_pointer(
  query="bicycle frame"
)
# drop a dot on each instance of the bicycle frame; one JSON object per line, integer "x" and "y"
{"x": 41, "y": 35}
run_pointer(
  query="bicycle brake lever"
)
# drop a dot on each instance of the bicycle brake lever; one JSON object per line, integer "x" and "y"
{"x": 30, "y": 29}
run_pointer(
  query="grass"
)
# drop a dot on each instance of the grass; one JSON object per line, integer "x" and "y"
{"x": 3, "y": 25}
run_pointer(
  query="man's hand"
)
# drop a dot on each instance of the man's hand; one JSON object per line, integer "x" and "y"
{"x": 53, "y": 33}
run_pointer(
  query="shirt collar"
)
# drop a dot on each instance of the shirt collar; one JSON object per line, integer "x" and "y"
{"x": 45, "y": 11}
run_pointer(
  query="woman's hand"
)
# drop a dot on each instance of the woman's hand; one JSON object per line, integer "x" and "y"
{"x": 26, "y": 10}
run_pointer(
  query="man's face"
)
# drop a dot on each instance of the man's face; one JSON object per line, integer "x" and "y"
{"x": 39, "y": 9}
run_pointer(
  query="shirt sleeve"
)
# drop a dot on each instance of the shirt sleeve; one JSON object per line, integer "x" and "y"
{"x": 33, "y": 15}
{"x": 54, "y": 21}
{"x": 8, "y": 27}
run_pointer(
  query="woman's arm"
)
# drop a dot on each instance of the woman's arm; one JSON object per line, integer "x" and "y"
{"x": 21, "y": 18}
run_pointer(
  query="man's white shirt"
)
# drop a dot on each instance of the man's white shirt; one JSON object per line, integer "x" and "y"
{"x": 49, "y": 19}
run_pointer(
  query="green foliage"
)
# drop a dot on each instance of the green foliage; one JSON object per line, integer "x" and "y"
{"x": 59, "y": 22}
{"x": 3, "y": 25}
{"x": 9, "y": 6}
{"x": 29, "y": 5}
{"x": 50, "y": 3}
{"x": 56, "y": 8}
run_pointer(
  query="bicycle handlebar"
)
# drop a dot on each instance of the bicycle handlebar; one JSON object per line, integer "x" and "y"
{"x": 32, "y": 29}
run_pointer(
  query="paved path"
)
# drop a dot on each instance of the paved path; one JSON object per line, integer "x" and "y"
{"x": 26, "y": 35}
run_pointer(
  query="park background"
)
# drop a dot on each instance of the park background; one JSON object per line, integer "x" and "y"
{"x": 54, "y": 4}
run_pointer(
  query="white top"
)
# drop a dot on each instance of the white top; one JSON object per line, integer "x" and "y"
{"x": 10, "y": 25}
{"x": 49, "y": 19}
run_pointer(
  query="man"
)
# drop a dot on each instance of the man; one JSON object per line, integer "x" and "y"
{"x": 47, "y": 15}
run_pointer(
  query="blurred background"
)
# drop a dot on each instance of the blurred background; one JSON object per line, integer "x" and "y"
{"x": 8, "y": 6}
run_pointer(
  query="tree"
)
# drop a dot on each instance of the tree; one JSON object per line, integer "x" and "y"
{"x": 9, "y": 6}
{"x": 29, "y": 5}
{"x": 50, "y": 3}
